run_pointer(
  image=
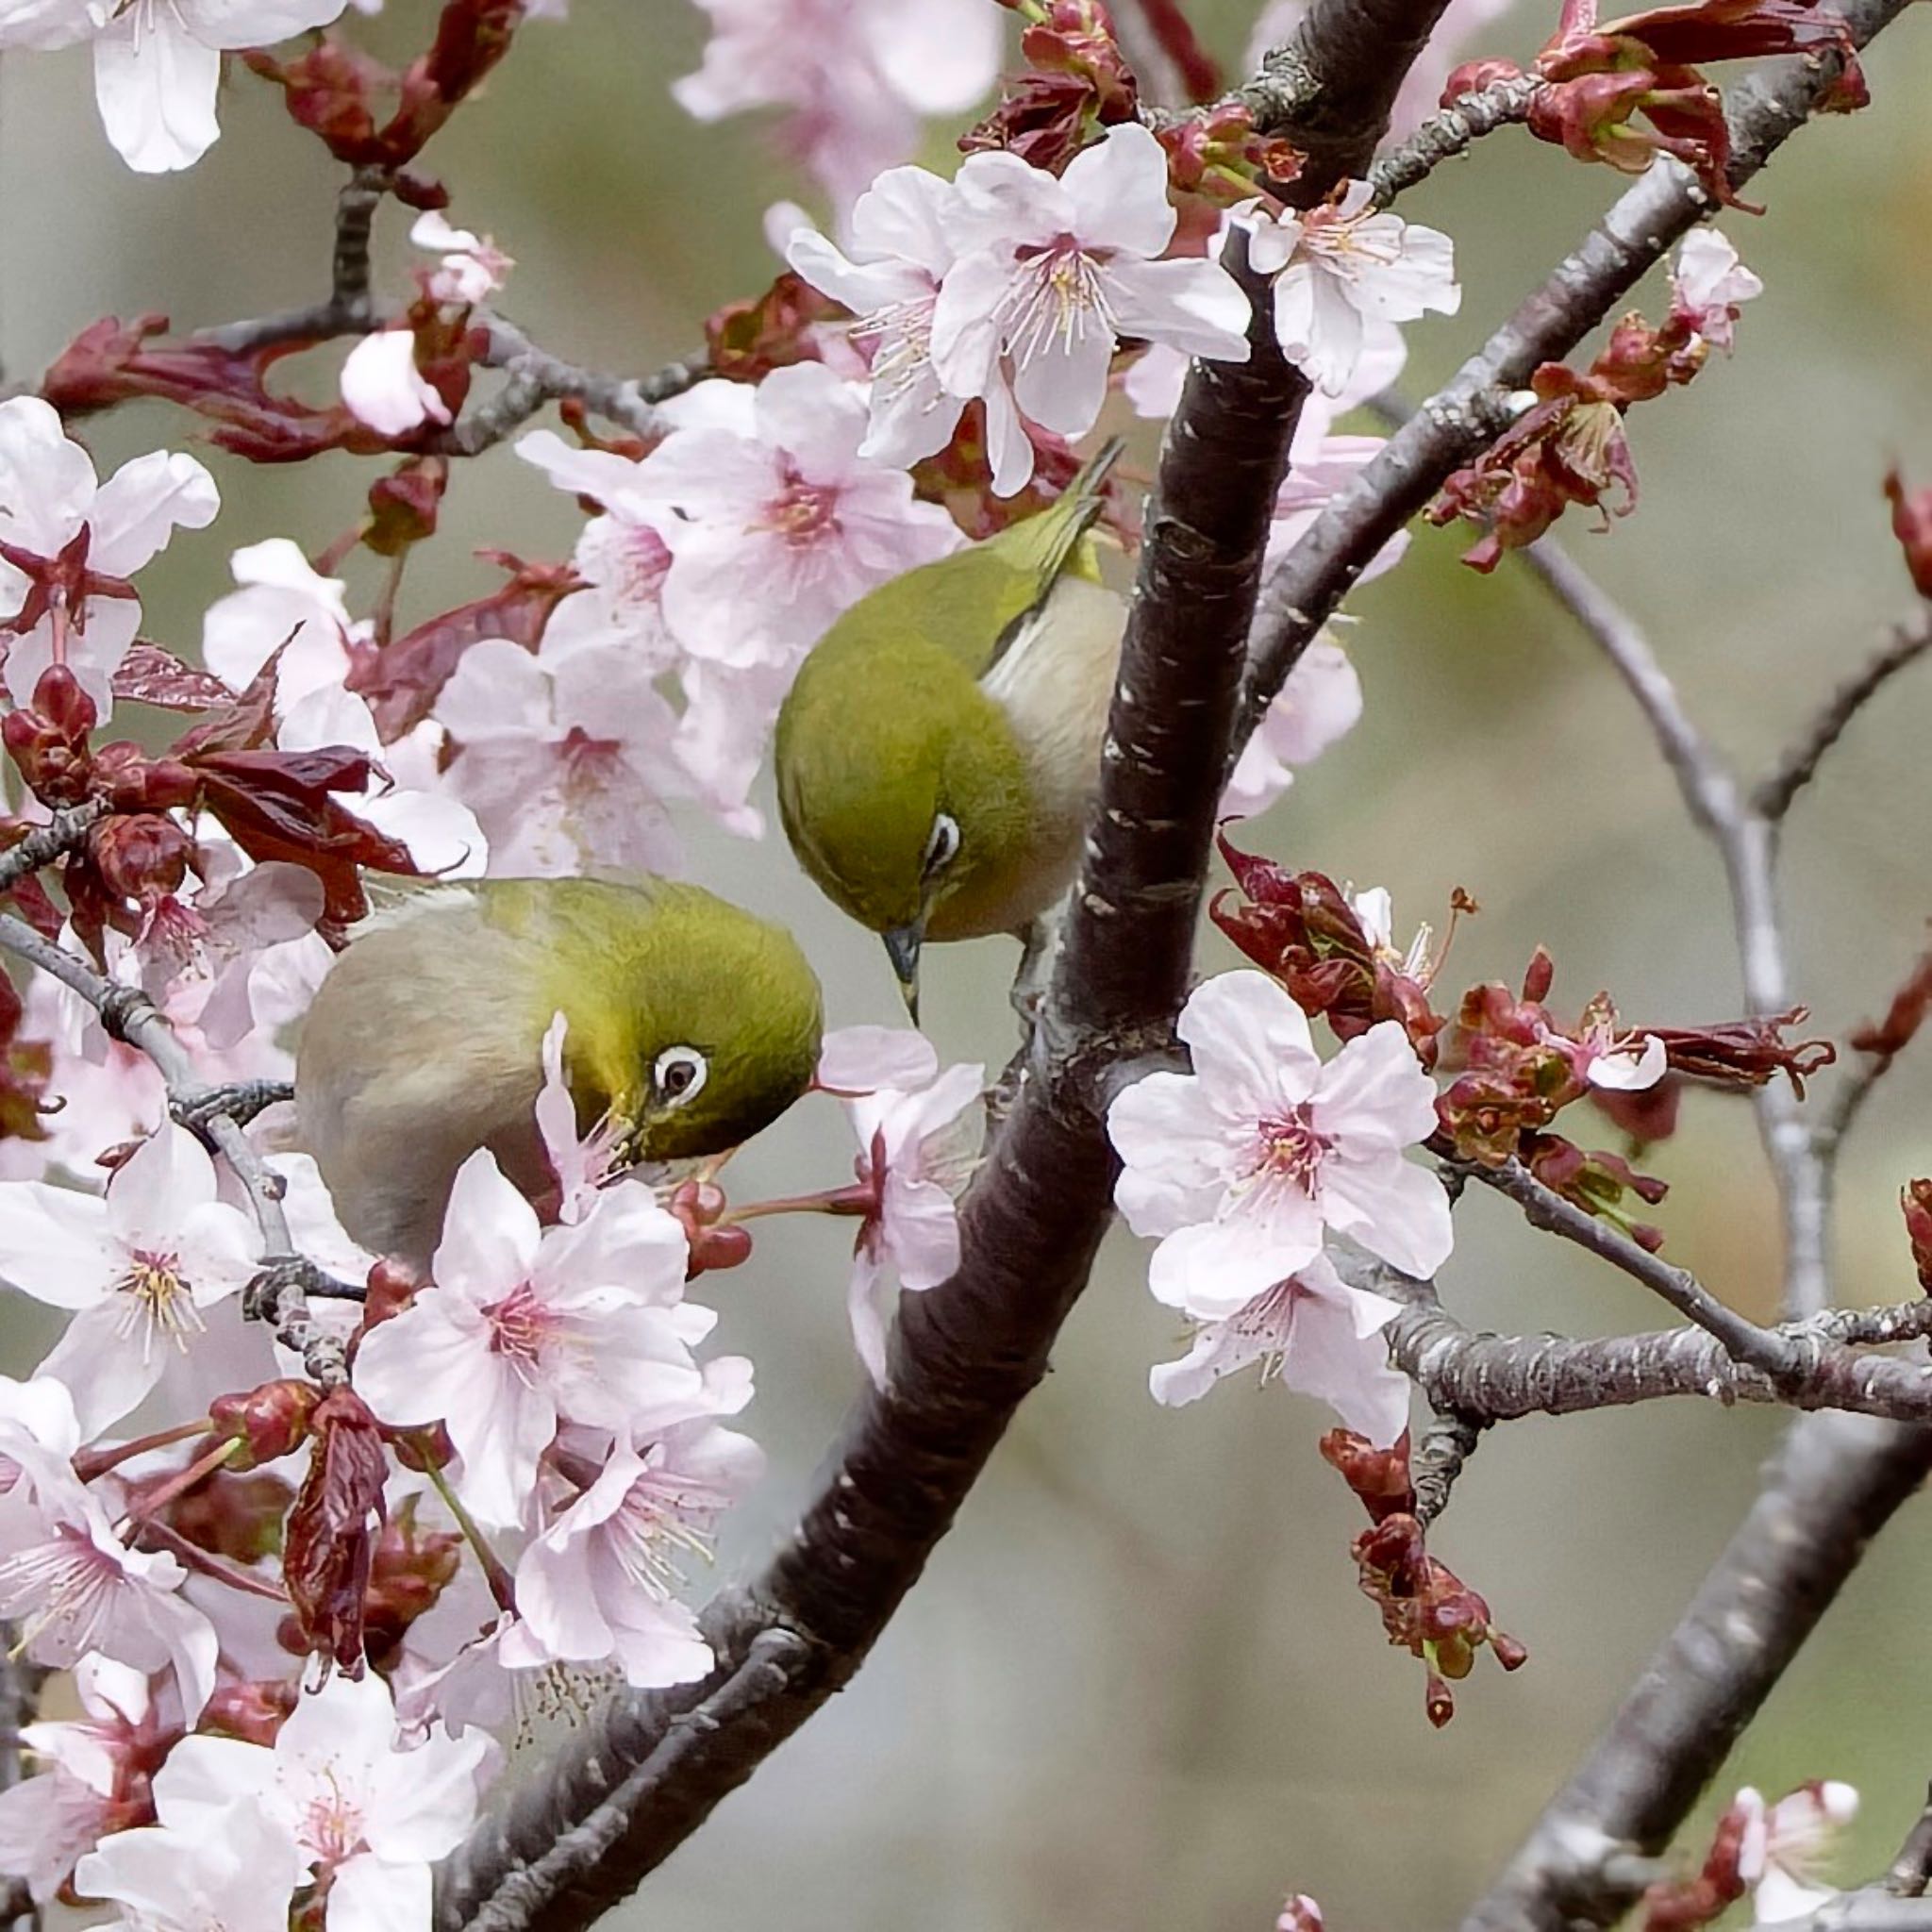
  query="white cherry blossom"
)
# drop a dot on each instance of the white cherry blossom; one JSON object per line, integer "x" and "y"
{"x": 564, "y": 756}
{"x": 1241, "y": 1165}
{"x": 48, "y": 495}
{"x": 1785, "y": 1843}
{"x": 235, "y": 1873}
{"x": 283, "y": 604}
{"x": 1338, "y": 267}
{"x": 916, "y": 1151}
{"x": 358, "y": 1807}
{"x": 1052, "y": 271}
{"x": 1321, "y": 703}
{"x": 473, "y": 267}
{"x": 138, "y": 1268}
{"x": 383, "y": 387}
{"x": 1314, "y": 1333}
{"x": 524, "y": 1328}
{"x": 1708, "y": 281}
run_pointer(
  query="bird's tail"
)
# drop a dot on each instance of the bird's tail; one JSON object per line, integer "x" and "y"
{"x": 1063, "y": 528}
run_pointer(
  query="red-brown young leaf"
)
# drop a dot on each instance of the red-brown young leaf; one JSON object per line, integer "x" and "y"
{"x": 246, "y": 722}
{"x": 1732, "y": 30}
{"x": 746, "y": 341}
{"x": 402, "y": 680}
{"x": 1746, "y": 1053}
{"x": 330, "y": 1544}
{"x": 1915, "y": 1201}
{"x": 151, "y": 675}
{"x": 411, "y": 1568}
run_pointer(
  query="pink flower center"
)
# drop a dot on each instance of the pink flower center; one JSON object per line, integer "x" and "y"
{"x": 1292, "y": 1149}
{"x": 331, "y": 1827}
{"x": 664, "y": 1514}
{"x": 1059, "y": 294}
{"x": 156, "y": 1301}
{"x": 1266, "y": 1327}
{"x": 67, "y": 1584}
{"x": 638, "y": 559}
{"x": 803, "y": 511}
{"x": 589, "y": 764}
{"x": 524, "y": 1331}
{"x": 1347, "y": 244}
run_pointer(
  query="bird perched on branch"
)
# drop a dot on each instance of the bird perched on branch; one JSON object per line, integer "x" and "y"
{"x": 940, "y": 748}
{"x": 689, "y": 1024}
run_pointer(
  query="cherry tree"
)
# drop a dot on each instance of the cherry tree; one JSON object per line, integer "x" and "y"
{"x": 312, "y": 1530}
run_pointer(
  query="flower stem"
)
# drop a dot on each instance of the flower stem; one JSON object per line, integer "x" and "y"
{"x": 494, "y": 1574}
{"x": 158, "y": 1499}
{"x": 92, "y": 1463}
{"x": 857, "y": 1199}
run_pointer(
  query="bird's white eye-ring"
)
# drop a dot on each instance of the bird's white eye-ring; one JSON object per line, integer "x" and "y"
{"x": 942, "y": 844}
{"x": 678, "y": 1074}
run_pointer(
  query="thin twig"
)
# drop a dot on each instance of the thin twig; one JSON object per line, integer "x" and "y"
{"x": 1759, "y": 1348}
{"x": 1451, "y": 131}
{"x": 1446, "y": 1445}
{"x": 65, "y": 832}
{"x": 1911, "y": 1871}
{"x": 1796, "y": 768}
{"x": 129, "y": 1015}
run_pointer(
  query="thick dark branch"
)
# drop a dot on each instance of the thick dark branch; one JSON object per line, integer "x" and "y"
{"x": 1485, "y": 1378}
{"x": 1801, "y": 760}
{"x": 1835, "y": 1483}
{"x": 1452, "y": 427}
{"x": 1451, "y": 131}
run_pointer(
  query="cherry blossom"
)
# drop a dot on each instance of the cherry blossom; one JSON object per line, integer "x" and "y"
{"x": 916, "y": 1151}
{"x": 563, "y": 755}
{"x": 473, "y": 267}
{"x": 230, "y": 1874}
{"x": 357, "y": 1807}
{"x": 1051, "y": 272}
{"x": 283, "y": 604}
{"x": 1241, "y": 1165}
{"x": 858, "y": 74}
{"x": 1784, "y": 1844}
{"x": 863, "y": 1059}
{"x": 71, "y": 1586}
{"x": 68, "y": 543}
{"x": 1629, "y": 1065}
{"x": 600, "y": 1583}
{"x": 522, "y": 1328}
{"x": 787, "y": 526}
{"x": 138, "y": 1268}
{"x": 383, "y": 387}
{"x": 95, "y": 1764}
{"x": 1340, "y": 265}
{"x": 899, "y": 252}
{"x": 1314, "y": 1333}
{"x": 582, "y": 1163}
{"x": 1320, "y": 703}
{"x": 1707, "y": 284}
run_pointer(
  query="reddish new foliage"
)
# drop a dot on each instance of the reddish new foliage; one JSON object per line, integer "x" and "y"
{"x": 1078, "y": 82}
{"x": 329, "y": 1554}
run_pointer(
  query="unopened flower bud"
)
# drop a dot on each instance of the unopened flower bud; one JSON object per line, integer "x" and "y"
{"x": 272, "y": 1421}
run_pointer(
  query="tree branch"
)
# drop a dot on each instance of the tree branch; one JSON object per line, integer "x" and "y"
{"x": 1451, "y": 131}
{"x": 1459, "y": 421}
{"x": 1836, "y": 1482}
{"x": 1800, "y": 763}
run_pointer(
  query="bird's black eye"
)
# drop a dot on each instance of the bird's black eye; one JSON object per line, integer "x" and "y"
{"x": 941, "y": 845}
{"x": 677, "y": 1073}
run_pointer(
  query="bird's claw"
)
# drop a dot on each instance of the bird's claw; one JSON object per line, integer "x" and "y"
{"x": 261, "y": 1300}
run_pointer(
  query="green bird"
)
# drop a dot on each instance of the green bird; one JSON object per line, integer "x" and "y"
{"x": 940, "y": 747}
{"x": 689, "y": 1024}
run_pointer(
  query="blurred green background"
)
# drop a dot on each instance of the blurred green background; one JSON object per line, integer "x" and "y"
{"x": 1138, "y": 1688}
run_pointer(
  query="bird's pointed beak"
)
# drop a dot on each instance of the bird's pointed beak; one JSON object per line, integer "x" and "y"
{"x": 902, "y": 946}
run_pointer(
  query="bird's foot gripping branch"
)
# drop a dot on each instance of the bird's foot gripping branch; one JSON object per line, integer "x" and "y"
{"x": 372, "y": 1078}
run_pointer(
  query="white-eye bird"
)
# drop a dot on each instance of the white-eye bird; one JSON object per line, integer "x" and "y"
{"x": 940, "y": 747}
{"x": 689, "y": 1024}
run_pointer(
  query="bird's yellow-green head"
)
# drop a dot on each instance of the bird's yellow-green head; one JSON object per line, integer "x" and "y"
{"x": 902, "y": 788}
{"x": 692, "y": 1024}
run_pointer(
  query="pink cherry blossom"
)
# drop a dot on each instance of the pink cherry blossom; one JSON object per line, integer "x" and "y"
{"x": 564, "y": 757}
{"x": 231, "y": 1874}
{"x": 864, "y": 1059}
{"x": 1242, "y": 1164}
{"x": 1321, "y": 703}
{"x": 49, "y": 496}
{"x": 383, "y": 387}
{"x": 787, "y": 525}
{"x": 138, "y": 1268}
{"x": 93, "y": 1764}
{"x": 1339, "y": 266}
{"x": 359, "y": 1809}
{"x": 1785, "y": 1843}
{"x": 473, "y": 267}
{"x": 916, "y": 1151}
{"x": 71, "y": 1586}
{"x": 600, "y": 1583}
{"x": 1628, "y": 1065}
{"x": 581, "y": 1163}
{"x": 1708, "y": 283}
{"x": 857, "y": 74}
{"x": 157, "y": 68}
{"x": 1051, "y": 273}
{"x": 283, "y": 604}
{"x": 524, "y": 1328}
{"x": 1313, "y": 1333}
{"x": 899, "y": 253}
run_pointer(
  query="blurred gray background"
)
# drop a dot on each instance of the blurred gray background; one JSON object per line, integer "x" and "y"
{"x": 1138, "y": 1688}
